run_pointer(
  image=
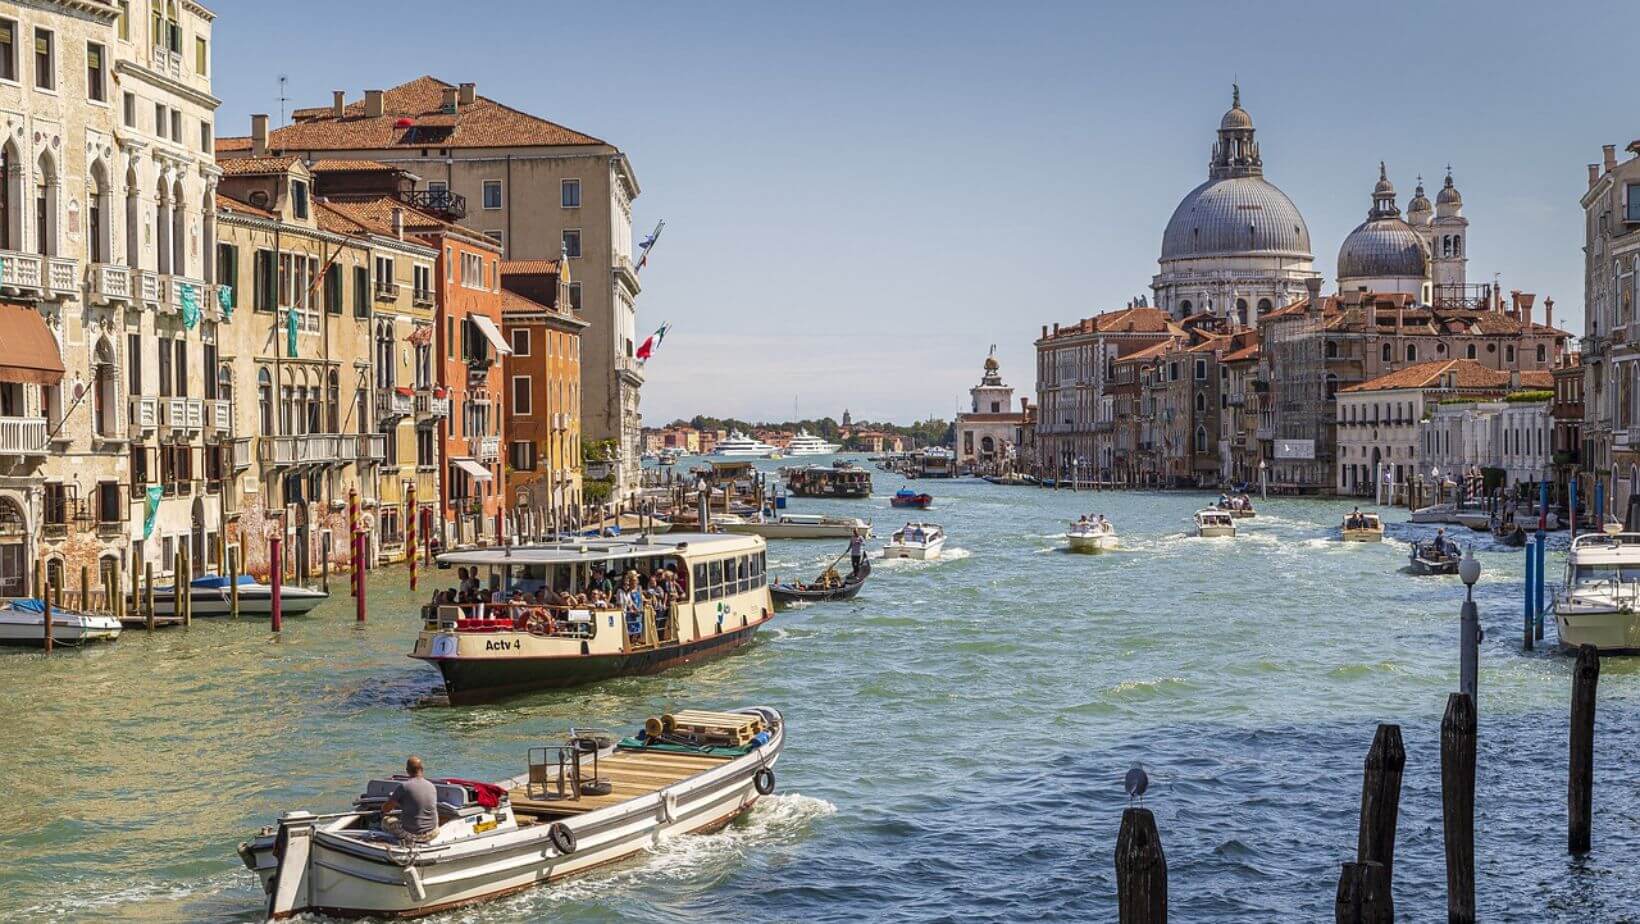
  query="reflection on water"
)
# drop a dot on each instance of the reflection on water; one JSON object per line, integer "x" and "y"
{"x": 958, "y": 733}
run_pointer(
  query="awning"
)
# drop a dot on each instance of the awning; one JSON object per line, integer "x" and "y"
{"x": 478, "y": 472}
{"x": 492, "y": 334}
{"x": 28, "y": 352}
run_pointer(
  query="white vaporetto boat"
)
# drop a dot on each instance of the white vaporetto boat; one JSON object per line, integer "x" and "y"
{"x": 916, "y": 540}
{"x": 801, "y": 526}
{"x": 1091, "y": 535}
{"x": 1213, "y": 523}
{"x": 807, "y": 444}
{"x": 740, "y": 445}
{"x": 22, "y": 622}
{"x": 1599, "y": 604}
{"x": 212, "y": 595}
{"x": 588, "y": 803}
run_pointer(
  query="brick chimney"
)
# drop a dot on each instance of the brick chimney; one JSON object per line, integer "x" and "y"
{"x": 1548, "y": 312}
{"x": 1514, "y": 304}
{"x": 1594, "y": 175}
{"x": 1608, "y": 154}
{"x": 1044, "y": 332}
{"x": 373, "y": 104}
{"x": 1527, "y": 300}
{"x": 259, "y": 135}
{"x": 469, "y": 93}
{"x": 338, "y": 103}
{"x": 451, "y": 94}
{"x": 398, "y": 222}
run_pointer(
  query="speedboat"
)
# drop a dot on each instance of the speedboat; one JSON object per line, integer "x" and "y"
{"x": 22, "y": 622}
{"x": 1213, "y": 523}
{"x": 589, "y": 802}
{"x": 1086, "y": 535}
{"x": 739, "y": 444}
{"x": 807, "y": 444}
{"x": 1240, "y": 508}
{"x": 1599, "y": 603}
{"x": 799, "y": 526}
{"x": 1434, "y": 556}
{"x": 905, "y": 497}
{"x": 212, "y": 595}
{"x": 1478, "y": 520}
{"x": 1435, "y": 513}
{"x": 1362, "y": 526}
{"x": 916, "y": 540}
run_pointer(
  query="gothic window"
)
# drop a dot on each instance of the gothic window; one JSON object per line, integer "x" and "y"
{"x": 264, "y": 400}
{"x": 1184, "y": 307}
{"x": 1332, "y": 349}
{"x": 1264, "y": 305}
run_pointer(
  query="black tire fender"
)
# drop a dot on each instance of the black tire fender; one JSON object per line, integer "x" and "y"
{"x": 562, "y": 838}
{"x": 763, "y": 781}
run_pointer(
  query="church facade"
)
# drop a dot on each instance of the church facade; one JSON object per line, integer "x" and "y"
{"x": 989, "y": 434}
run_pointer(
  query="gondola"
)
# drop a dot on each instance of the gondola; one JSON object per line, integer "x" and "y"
{"x": 1510, "y": 535}
{"x": 795, "y": 593}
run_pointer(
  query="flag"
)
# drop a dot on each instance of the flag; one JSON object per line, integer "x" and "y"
{"x": 648, "y": 243}
{"x": 290, "y": 333}
{"x": 652, "y": 343}
{"x": 190, "y": 305}
{"x": 151, "y": 501}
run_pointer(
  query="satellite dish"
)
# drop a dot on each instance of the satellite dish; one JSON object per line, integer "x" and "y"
{"x": 1136, "y": 782}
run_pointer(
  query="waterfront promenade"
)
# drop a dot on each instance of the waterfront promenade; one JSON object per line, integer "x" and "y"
{"x": 1015, "y": 684}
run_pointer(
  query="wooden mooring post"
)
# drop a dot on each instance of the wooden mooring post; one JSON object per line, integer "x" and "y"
{"x": 276, "y": 576}
{"x": 45, "y": 601}
{"x": 1141, "y": 870}
{"x": 181, "y": 597}
{"x": 1381, "y": 799}
{"x": 85, "y": 588}
{"x": 1458, "y": 806}
{"x": 233, "y": 581}
{"x": 1364, "y": 895}
{"x": 324, "y": 568}
{"x": 148, "y": 594}
{"x": 1580, "y": 770}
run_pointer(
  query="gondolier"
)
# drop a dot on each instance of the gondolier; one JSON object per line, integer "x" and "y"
{"x": 856, "y": 551}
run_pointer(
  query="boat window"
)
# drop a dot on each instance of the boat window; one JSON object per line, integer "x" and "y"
{"x": 1606, "y": 571}
{"x": 701, "y": 584}
{"x": 714, "y": 571}
{"x": 745, "y": 570}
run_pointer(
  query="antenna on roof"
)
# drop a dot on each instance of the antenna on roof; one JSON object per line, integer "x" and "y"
{"x": 283, "y": 99}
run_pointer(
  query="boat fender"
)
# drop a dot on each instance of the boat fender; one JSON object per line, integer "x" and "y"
{"x": 669, "y": 808}
{"x": 562, "y": 838}
{"x": 412, "y": 881}
{"x": 763, "y": 781}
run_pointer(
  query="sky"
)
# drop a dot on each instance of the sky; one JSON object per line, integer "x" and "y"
{"x": 861, "y": 198}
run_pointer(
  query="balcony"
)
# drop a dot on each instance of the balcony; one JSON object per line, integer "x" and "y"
{"x": 427, "y": 405}
{"x": 386, "y": 290}
{"x": 182, "y": 413}
{"x": 30, "y": 274}
{"x": 1104, "y": 426}
{"x": 22, "y": 436}
{"x": 242, "y": 457}
{"x": 172, "y": 287}
{"x": 146, "y": 288}
{"x": 629, "y": 369}
{"x": 392, "y": 404}
{"x": 485, "y": 448}
{"x": 144, "y": 412}
{"x": 421, "y": 298}
{"x": 219, "y": 415}
{"x": 1237, "y": 399}
{"x": 440, "y": 202}
{"x": 109, "y": 283}
{"x": 370, "y": 447}
{"x": 310, "y": 449}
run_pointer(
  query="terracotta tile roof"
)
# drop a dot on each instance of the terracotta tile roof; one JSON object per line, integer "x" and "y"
{"x": 528, "y": 267}
{"x": 512, "y": 301}
{"x": 233, "y": 144}
{"x": 376, "y": 213}
{"x": 1124, "y": 321}
{"x": 1242, "y": 355}
{"x": 484, "y": 123}
{"x": 327, "y": 165}
{"x": 243, "y": 208}
{"x": 335, "y": 221}
{"x": 1148, "y": 352}
{"x": 255, "y": 166}
{"x": 1466, "y": 375}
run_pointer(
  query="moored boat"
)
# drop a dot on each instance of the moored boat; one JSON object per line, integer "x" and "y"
{"x": 1435, "y": 513}
{"x": 1091, "y": 534}
{"x": 1362, "y": 526}
{"x": 1478, "y": 520}
{"x": 1599, "y": 602}
{"x": 587, "y": 803}
{"x": 740, "y": 445}
{"x": 905, "y": 497}
{"x": 1510, "y": 534}
{"x": 22, "y": 622}
{"x": 212, "y": 595}
{"x": 1213, "y": 523}
{"x": 799, "y": 526}
{"x": 921, "y": 541}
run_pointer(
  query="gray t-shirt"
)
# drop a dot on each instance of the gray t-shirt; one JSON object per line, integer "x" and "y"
{"x": 417, "y": 799}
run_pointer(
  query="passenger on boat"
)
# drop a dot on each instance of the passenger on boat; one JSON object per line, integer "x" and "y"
{"x": 1354, "y": 520}
{"x": 416, "y": 801}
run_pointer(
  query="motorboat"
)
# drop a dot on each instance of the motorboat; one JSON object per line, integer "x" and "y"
{"x": 22, "y": 622}
{"x": 1091, "y": 535}
{"x": 905, "y": 497}
{"x": 829, "y": 586}
{"x": 593, "y": 800}
{"x": 1435, "y": 513}
{"x": 667, "y": 457}
{"x": 916, "y": 540}
{"x": 1239, "y": 507}
{"x": 1478, "y": 520}
{"x": 1599, "y": 602}
{"x": 1436, "y": 555}
{"x": 740, "y": 445}
{"x": 1213, "y": 523}
{"x": 1362, "y": 526}
{"x": 799, "y": 526}
{"x": 807, "y": 444}
{"x": 212, "y": 595}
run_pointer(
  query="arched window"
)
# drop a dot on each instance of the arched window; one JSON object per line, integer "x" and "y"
{"x": 1542, "y": 353}
{"x": 224, "y": 383}
{"x": 1469, "y": 351}
{"x": 1184, "y": 307}
{"x": 45, "y": 206}
{"x": 105, "y": 393}
{"x": 163, "y": 225}
{"x": 1201, "y": 402}
{"x": 335, "y": 403}
{"x": 1332, "y": 386}
{"x": 8, "y": 175}
{"x": 1264, "y": 305}
{"x": 1412, "y": 353}
{"x": 1446, "y": 245}
{"x": 179, "y": 231}
{"x": 1201, "y": 438}
{"x": 1332, "y": 349}
{"x": 1387, "y": 354}
{"x": 133, "y": 219}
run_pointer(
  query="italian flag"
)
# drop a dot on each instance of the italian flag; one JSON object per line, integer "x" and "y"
{"x": 652, "y": 343}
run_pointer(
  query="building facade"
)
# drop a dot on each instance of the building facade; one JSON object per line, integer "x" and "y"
{"x": 988, "y": 433}
{"x": 543, "y": 376}
{"x": 1611, "y": 330}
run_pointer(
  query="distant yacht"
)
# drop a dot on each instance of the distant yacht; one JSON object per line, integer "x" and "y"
{"x": 739, "y": 444}
{"x": 807, "y": 444}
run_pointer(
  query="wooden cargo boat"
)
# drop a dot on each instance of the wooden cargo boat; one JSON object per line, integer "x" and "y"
{"x": 840, "y": 479}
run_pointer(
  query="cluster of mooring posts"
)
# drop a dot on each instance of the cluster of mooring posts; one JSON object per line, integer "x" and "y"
{"x": 1365, "y": 893}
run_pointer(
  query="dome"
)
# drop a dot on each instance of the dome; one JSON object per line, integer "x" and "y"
{"x": 1380, "y": 247}
{"x": 1419, "y": 209}
{"x": 1235, "y": 215}
{"x": 1448, "y": 194}
{"x": 1236, "y": 118}
{"x": 991, "y": 364}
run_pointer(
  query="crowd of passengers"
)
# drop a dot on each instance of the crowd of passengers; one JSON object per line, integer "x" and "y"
{"x": 605, "y": 590}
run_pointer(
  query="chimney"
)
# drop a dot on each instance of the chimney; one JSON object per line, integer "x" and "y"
{"x": 1514, "y": 304}
{"x": 1044, "y": 332}
{"x": 338, "y": 103}
{"x": 1548, "y": 312}
{"x": 1608, "y": 153}
{"x": 259, "y": 135}
{"x": 450, "y": 94}
{"x": 1594, "y": 175}
{"x": 1056, "y": 328}
{"x": 398, "y": 222}
{"x": 1527, "y": 300}
{"x": 1514, "y": 380}
{"x": 469, "y": 93}
{"x": 373, "y": 104}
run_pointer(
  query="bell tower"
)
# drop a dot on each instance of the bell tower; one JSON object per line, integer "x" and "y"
{"x": 1449, "y": 237}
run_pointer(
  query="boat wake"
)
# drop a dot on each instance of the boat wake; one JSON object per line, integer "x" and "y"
{"x": 915, "y": 564}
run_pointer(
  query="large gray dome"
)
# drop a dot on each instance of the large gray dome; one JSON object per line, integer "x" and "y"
{"x": 1236, "y": 215}
{"x": 1381, "y": 247}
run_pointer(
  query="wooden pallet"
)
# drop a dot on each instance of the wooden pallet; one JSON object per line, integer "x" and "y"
{"x": 731, "y": 728}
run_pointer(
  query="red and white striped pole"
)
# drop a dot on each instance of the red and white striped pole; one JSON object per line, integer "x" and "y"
{"x": 353, "y": 537}
{"x": 410, "y": 535}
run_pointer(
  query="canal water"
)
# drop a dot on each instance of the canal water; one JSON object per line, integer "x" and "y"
{"x": 958, "y": 735}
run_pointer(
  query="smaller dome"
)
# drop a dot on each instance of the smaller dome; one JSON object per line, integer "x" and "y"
{"x": 1383, "y": 247}
{"x": 991, "y": 364}
{"x": 1384, "y": 187}
{"x": 1236, "y": 118}
{"x": 1419, "y": 211}
{"x": 1449, "y": 193}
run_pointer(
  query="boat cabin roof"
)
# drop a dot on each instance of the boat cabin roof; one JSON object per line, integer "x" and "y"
{"x": 1597, "y": 548}
{"x": 688, "y": 545}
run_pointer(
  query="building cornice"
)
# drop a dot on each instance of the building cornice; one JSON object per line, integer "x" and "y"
{"x": 100, "y": 9}
{"x": 155, "y": 78}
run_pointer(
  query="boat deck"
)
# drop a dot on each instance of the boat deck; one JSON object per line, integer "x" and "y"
{"x": 631, "y": 773}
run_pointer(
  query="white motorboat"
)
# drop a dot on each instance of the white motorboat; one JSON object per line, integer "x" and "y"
{"x": 1091, "y": 535}
{"x": 1435, "y": 513}
{"x": 1213, "y": 523}
{"x": 212, "y": 595}
{"x": 1478, "y": 520}
{"x": 740, "y": 445}
{"x": 1599, "y": 603}
{"x": 807, "y": 444}
{"x": 1362, "y": 526}
{"x": 915, "y": 540}
{"x": 588, "y": 803}
{"x": 800, "y": 526}
{"x": 22, "y": 622}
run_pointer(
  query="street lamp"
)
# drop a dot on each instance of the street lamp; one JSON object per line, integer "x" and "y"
{"x": 1469, "y": 627}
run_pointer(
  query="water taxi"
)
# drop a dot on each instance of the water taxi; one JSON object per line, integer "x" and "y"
{"x": 741, "y": 445}
{"x": 1599, "y": 603}
{"x": 807, "y": 444}
{"x": 23, "y": 622}
{"x": 840, "y": 479}
{"x": 551, "y": 622}
{"x": 1213, "y": 523}
{"x": 1362, "y": 526}
{"x": 1438, "y": 555}
{"x": 1091, "y": 534}
{"x": 916, "y": 540}
{"x": 918, "y": 500}
{"x": 798, "y": 526}
{"x": 1239, "y": 507}
{"x": 589, "y": 802}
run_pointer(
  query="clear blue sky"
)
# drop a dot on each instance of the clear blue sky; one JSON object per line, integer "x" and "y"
{"x": 861, "y": 199}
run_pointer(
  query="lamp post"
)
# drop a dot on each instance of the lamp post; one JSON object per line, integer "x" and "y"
{"x": 1469, "y": 632}
{"x": 1263, "y": 481}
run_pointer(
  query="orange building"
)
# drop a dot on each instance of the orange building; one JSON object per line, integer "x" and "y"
{"x": 543, "y": 375}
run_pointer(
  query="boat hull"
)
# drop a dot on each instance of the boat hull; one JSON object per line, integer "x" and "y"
{"x": 1611, "y": 631}
{"x": 1479, "y": 522}
{"x": 481, "y": 680}
{"x": 1091, "y": 543}
{"x": 71, "y": 630}
{"x": 796, "y": 530}
{"x": 1216, "y": 532}
{"x": 1432, "y": 566}
{"x": 254, "y": 600}
{"x": 1363, "y": 535}
{"x": 917, "y": 552}
{"x": 915, "y": 502}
